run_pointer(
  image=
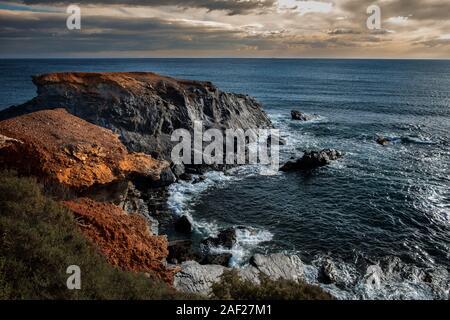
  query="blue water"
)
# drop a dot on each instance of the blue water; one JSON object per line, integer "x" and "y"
{"x": 376, "y": 202}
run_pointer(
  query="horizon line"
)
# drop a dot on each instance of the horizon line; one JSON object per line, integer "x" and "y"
{"x": 237, "y": 58}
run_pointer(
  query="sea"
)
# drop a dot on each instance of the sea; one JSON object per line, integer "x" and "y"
{"x": 386, "y": 206}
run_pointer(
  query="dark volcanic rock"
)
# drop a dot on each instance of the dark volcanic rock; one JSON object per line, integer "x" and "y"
{"x": 142, "y": 107}
{"x": 300, "y": 116}
{"x": 183, "y": 225}
{"x": 327, "y": 272}
{"x": 221, "y": 259}
{"x": 181, "y": 251}
{"x": 312, "y": 160}
{"x": 225, "y": 239}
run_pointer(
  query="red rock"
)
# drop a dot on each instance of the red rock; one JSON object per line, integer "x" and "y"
{"x": 55, "y": 145}
{"x": 125, "y": 240}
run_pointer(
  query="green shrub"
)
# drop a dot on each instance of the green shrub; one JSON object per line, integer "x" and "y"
{"x": 233, "y": 287}
{"x": 39, "y": 239}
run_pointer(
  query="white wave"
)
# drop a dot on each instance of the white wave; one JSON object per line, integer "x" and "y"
{"x": 247, "y": 239}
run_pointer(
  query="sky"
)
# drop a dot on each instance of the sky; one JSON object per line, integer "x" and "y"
{"x": 417, "y": 29}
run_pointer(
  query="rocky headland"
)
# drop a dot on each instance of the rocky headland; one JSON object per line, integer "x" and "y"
{"x": 143, "y": 108}
{"x": 104, "y": 138}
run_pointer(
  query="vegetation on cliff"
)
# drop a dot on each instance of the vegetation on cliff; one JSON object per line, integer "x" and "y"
{"x": 39, "y": 239}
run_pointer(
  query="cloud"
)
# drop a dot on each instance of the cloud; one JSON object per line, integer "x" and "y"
{"x": 397, "y": 20}
{"x": 328, "y": 28}
{"x": 232, "y": 7}
{"x": 304, "y": 7}
{"x": 339, "y": 31}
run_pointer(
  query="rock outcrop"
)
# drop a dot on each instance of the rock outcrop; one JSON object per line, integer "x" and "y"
{"x": 197, "y": 278}
{"x": 124, "y": 239}
{"x": 312, "y": 160}
{"x": 300, "y": 116}
{"x": 143, "y": 107}
{"x": 55, "y": 145}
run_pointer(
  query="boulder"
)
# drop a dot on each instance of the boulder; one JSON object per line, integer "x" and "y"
{"x": 300, "y": 116}
{"x": 328, "y": 273}
{"x": 279, "y": 266}
{"x": 383, "y": 141}
{"x": 225, "y": 239}
{"x": 222, "y": 259}
{"x": 183, "y": 225}
{"x": 312, "y": 160}
{"x": 57, "y": 146}
{"x": 196, "y": 278}
{"x": 181, "y": 251}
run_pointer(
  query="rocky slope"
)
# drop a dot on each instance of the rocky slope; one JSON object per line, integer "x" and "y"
{"x": 124, "y": 239}
{"x": 144, "y": 108}
{"x": 56, "y": 145}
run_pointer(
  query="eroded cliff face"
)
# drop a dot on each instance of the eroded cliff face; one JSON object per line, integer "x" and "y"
{"x": 55, "y": 145}
{"x": 124, "y": 239}
{"x": 144, "y": 108}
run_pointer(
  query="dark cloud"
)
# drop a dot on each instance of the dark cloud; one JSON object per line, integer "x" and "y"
{"x": 46, "y": 34}
{"x": 232, "y": 7}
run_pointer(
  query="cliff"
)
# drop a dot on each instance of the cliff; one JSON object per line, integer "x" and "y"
{"x": 58, "y": 146}
{"x": 125, "y": 240}
{"x": 143, "y": 108}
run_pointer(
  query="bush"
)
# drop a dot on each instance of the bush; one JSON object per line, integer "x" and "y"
{"x": 233, "y": 287}
{"x": 39, "y": 239}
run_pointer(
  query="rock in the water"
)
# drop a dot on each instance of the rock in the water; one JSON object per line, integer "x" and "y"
{"x": 145, "y": 108}
{"x": 185, "y": 177}
{"x": 57, "y": 146}
{"x": 383, "y": 141}
{"x": 312, "y": 160}
{"x": 181, "y": 251}
{"x": 183, "y": 225}
{"x": 221, "y": 259}
{"x": 197, "y": 278}
{"x": 225, "y": 239}
{"x": 279, "y": 266}
{"x": 300, "y": 116}
{"x": 328, "y": 273}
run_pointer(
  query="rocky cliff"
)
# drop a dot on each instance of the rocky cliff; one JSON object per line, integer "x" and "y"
{"x": 58, "y": 146}
{"x": 143, "y": 108}
{"x": 124, "y": 239}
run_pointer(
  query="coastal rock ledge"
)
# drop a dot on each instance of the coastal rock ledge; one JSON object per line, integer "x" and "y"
{"x": 143, "y": 108}
{"x": 196, "y": 278}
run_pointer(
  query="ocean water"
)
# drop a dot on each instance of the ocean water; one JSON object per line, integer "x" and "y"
{"x": 374, "y": 204}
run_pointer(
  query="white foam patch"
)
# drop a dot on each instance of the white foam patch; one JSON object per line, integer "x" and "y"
{"x": 246, "y": 240}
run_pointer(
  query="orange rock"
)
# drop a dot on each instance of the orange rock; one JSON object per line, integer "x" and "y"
{"x": 125, "y": 240}
{"x": 56, "y": 145}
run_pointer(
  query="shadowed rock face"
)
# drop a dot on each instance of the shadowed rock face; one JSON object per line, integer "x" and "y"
{"x": 312, "y": 160}
{"x": 57, "y": 146}
{"x": 124, "y": 239}
{"x": 144, "y": 108}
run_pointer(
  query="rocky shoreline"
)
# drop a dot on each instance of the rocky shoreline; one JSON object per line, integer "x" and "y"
{"x": 100, "y": 143}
